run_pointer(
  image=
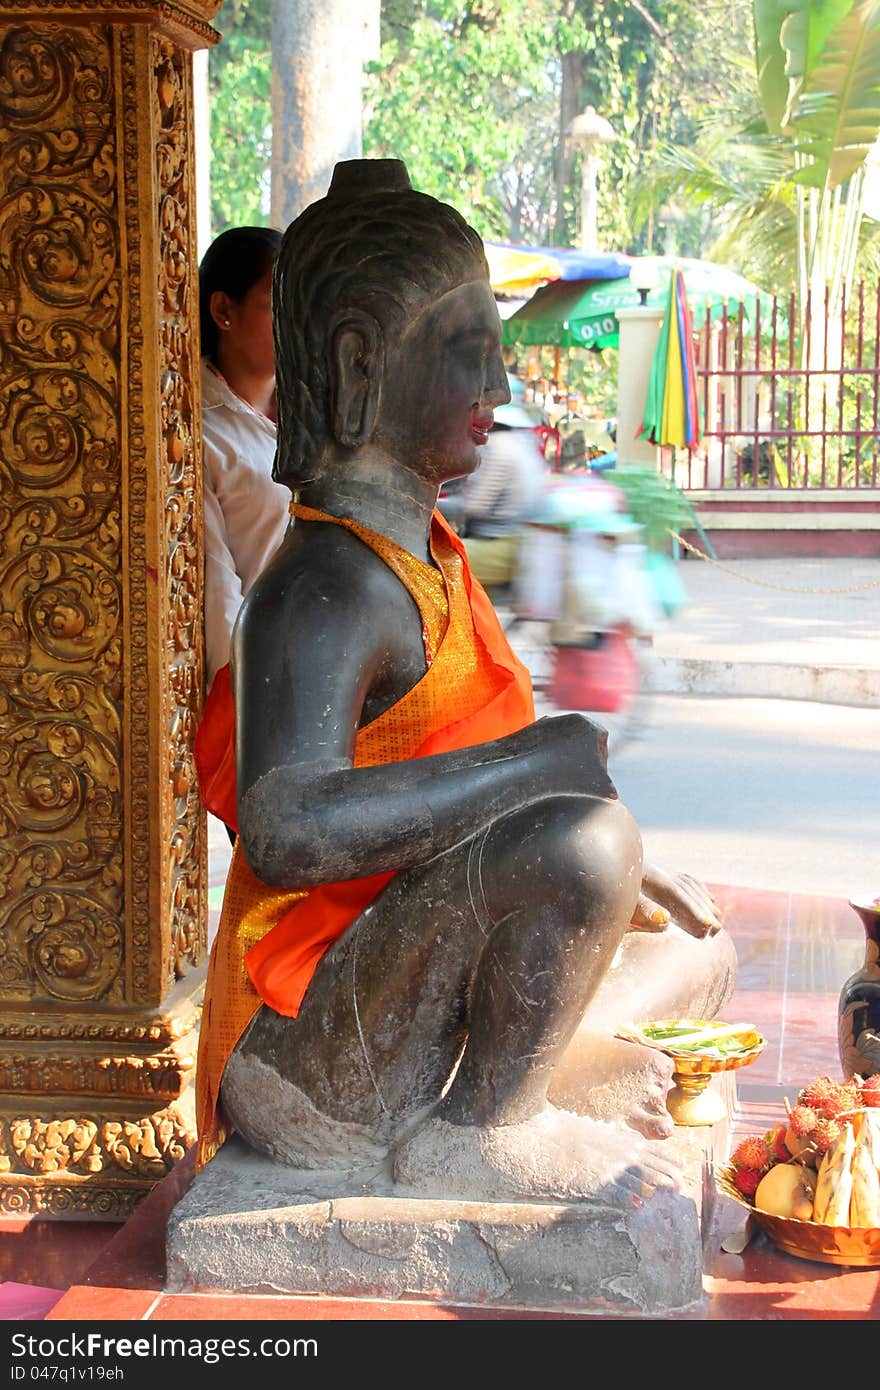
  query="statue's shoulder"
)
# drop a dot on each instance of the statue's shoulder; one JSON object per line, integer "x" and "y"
{"x": 322, "y": 575}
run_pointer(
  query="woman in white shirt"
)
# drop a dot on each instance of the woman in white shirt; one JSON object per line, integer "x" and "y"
{"x": 246, "y": 513}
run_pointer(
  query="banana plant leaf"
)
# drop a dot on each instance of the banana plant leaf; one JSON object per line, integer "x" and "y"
{"x": 836, "y": 116}
{"x": 818, "y": 65}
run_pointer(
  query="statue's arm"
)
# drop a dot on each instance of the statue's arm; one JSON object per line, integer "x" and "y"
{"x": 308, "y": 823}
{"x": 304, "y": 664}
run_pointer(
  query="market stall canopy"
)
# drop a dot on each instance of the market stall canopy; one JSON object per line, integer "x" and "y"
{"x": 519, "y": 270}
{"x": 583, "y": 313}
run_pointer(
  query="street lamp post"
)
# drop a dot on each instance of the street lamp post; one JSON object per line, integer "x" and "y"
{"x": 590, "y": 130}
{"x": 671, "y": 217}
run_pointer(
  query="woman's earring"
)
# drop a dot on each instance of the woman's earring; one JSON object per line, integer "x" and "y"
{"x": 227, "y": 323}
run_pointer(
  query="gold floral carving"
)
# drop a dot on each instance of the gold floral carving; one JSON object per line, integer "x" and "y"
{"x": 87, "y": 1163}
{"x": 185, "y": 20}
{"x": 102, "y": 839}
{"x": 41, "y": 1146}
{"x": 181, "y": 479}
{"x": 144, "y": 954}
{"x": 148, "y": 1146}
{"x": 61, "y": 602}
{"x": 162, "y": 1076}
{"x": 63, "y": 374}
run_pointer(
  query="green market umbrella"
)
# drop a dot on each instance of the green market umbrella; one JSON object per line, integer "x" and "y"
{"x": 583, "y": 313}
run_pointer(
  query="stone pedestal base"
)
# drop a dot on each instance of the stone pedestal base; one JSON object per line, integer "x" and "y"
{"x": 252, "y": 1226}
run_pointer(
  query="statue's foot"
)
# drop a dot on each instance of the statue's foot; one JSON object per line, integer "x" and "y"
{"x": 553, "y": 1156}
{"x": 615, "y": 1081}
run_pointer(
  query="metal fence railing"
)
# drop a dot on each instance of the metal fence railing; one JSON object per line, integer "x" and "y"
{"x": 789, "y": 401}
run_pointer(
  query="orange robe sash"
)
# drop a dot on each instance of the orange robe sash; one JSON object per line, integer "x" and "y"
{"x": 270, "y": 940}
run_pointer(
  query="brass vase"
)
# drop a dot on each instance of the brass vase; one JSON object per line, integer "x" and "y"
{"x": 858, "y": 1011}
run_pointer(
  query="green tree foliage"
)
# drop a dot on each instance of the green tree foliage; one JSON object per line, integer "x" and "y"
{"x": 470, "y": 94}
{"x": 654, "y": 69}
{"x": 240, "y": 77}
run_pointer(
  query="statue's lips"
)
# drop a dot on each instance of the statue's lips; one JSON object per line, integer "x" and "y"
{"x": 480, "y": 427}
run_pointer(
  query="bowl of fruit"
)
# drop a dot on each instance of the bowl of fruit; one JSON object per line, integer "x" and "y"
{"x": 812, "y": 1182}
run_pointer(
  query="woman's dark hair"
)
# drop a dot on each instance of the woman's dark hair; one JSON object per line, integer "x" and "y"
{"x": 372, "y": 244}
{"x": 234, "y": 262}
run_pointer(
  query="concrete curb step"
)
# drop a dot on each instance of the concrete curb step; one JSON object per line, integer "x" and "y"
{"x": 670, "y": 675}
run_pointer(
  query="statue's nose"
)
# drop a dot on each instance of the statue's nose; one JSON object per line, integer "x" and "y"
{"x": 497, "y": 388}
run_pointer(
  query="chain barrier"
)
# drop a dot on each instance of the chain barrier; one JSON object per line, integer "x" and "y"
{"x": 765, "y": 583}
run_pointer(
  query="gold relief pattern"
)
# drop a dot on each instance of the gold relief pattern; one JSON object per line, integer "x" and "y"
{"x": 181, "y": 477}
{"x": 80, "y": 1148}
{"x": 137, "y": 709}
{"x": 67, "y": 1201}
{"x": 101, "y": 887}
{"x": 61, "y": 906}
{"x": 52, "y": 1146}
{"x": 148, "y": 1147}
{"x": 158, "y": 1077}
{"x": 188, "y": 16}
{"x": 159, "y": 1033}
{"x": 65, "y": 944}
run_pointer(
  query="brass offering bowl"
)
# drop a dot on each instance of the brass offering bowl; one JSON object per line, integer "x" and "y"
{"x": 690, "y": 1101}
{"x": 809, "y": 1240}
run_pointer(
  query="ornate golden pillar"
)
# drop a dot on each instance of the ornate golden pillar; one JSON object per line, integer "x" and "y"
{"x": 103, "y": 851}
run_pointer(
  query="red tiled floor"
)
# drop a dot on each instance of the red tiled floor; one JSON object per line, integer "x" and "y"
{"x": 230, "y": 1307}
{"x": 762, "y": 1283}
{"x": 794, "y": 954}
{"x": 89, "y": 1304}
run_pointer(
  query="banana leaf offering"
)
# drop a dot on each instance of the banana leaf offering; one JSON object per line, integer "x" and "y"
{"x": 687, "y": 1037}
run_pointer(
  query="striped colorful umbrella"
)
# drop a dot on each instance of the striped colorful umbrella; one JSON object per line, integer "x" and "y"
{"x": 517, "y": 271}
{"x": 672, "y": 407}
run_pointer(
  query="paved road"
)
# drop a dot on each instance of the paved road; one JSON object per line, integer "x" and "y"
{"x": 795, "y": 612}
{"x": 772, "y": 794}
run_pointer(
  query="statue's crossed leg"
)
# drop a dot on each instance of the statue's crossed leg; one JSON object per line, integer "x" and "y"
{"x": 434, "y": 1025}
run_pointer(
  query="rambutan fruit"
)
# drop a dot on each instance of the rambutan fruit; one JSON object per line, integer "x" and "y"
{"x": 746, "y": 1180}
{"x": 870, "y": 1090}
{"x": 803, "y": 1120}
{"x": 841, "y": 1099}
{"x": 817, "y": 1092}
{"x": 751, "y": 1153}
{"x": 775, "y": 1141}
{"x": 824, "y": 1134}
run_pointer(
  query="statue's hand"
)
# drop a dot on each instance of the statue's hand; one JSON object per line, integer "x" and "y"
{"x": 678, "y": 898}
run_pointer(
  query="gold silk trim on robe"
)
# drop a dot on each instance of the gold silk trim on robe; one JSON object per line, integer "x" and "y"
{"x": 270, "y": 940}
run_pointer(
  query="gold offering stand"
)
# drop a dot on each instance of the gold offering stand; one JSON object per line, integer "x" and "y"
{"x": 690, "y": 1100}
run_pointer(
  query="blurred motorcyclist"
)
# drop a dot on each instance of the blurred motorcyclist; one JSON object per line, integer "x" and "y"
{"x": 490, "y": 507}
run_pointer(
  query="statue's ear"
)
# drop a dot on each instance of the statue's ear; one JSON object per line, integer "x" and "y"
{"x": 357, "y": 360}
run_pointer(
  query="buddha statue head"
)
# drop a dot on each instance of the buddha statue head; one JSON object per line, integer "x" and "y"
{"x": 386, "y": 330}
